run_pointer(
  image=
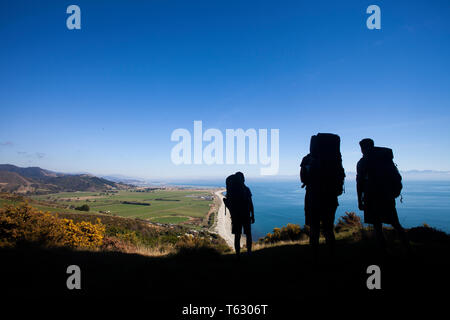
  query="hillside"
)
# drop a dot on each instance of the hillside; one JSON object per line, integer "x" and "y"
{"x": 35, "y": 180}
{"x": 282, "y": 277}
{"x": 173, "y": 266}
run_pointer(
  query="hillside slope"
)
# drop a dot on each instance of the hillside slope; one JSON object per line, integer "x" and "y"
{"x": 281, "y": 276}
{"x": 198, "y": 271}
{"x": 37, "y": 180}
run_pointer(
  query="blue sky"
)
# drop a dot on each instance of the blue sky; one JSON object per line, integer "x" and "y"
{"x": 105, "y": 99}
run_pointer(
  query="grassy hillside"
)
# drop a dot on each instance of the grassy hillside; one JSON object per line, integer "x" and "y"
{"x": 22, "y": 224}
{"x": 35, "y": 180}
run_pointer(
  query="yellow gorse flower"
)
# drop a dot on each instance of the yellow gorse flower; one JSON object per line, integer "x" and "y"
{"x": 25, "y": 224}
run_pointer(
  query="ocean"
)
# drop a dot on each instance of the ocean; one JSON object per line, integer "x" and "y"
{"x": 278, "y": 203}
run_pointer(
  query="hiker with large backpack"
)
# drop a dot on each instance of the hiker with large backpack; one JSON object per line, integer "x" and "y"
{"x": 239, "y": 202}
{"x": 322, "y": 174}
{"x": 378, "y": 184}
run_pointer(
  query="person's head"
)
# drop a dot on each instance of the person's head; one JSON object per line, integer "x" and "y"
{"x": 366, "y": 145}
{"x": 240, "y": 177}
{"x": 229, "y": 181}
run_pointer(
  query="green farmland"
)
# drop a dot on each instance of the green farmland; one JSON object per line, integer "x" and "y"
{"x": 163, "y": 206}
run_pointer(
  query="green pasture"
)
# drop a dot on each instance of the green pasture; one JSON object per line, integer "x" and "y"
{"x": 166, "y": 206}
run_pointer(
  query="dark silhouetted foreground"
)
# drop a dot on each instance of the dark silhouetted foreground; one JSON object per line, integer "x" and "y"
{"x": 280, "y": 275}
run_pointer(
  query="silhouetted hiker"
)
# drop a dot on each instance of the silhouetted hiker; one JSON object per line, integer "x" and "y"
{"x": 322, "y": 173}
{"x": 378, "y": 183}
{"x": 239, "y": 203}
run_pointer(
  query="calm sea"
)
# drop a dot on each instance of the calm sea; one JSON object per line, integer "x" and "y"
{"x": 280, "y": 202}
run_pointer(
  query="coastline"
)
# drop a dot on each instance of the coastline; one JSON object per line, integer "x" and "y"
{"x": 223, "y": 225}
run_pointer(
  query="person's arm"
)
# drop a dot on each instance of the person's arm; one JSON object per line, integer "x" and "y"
{"x": 225, "y": 201}
{"x": 252, "y": 209}
{"x": 359, "y": 184}
{"x": 303, "y": 177}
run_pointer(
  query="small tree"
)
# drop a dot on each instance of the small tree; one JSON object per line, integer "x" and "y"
{"x": 84, "y": 207}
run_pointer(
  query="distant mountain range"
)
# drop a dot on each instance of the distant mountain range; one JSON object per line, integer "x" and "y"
{"x": 416, "y": 175}
{"x": 424, "y": 175}
{"x": 127, "y": 180}
{"x": 38, "y": 180}
{"x": 135, "y": 181}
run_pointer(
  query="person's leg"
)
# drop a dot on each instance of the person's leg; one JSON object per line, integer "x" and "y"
{"x": 329, "y": 236}
{"x": 248, "y": 235}
{"x": 401, "y": 232}
{"x": 237, "y": 243}
{"x": 312, "y": 221}
{"x": 249, "y": 242}
{"x": 328, "y": 226}
{"x": 314, "y": 235}
{"x": 378, "y": 228}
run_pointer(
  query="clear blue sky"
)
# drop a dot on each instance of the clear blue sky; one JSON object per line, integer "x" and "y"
{"x": 105, "y": 99}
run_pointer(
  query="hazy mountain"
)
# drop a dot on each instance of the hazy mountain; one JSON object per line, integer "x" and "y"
{"x": 415, "y": 175}
{"x": 350, "y": 176}
{"x": 127, "y": 180}
{"x": 426, "y": 175}
{"x": 38, "y": 180}
{"x": 141, "y": 182}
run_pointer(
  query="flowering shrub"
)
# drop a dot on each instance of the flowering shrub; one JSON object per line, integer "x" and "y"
{"x": 24, "y": 224}
{"x": 290, "y": 232}
{"x": 82, "y": 234}
{"x": 189, "y": 244}
{"x": 348, "y": 222}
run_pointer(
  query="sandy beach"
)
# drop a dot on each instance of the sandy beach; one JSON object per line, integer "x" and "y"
{"x": 223, "y": 226}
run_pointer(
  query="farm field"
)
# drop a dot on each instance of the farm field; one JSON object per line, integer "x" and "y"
{"x": 40, "y": 206}
{"x": 163, "y": 206}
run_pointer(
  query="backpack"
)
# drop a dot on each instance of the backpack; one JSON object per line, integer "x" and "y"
{"x": 383, "y": 176}
{"x": 323, "y": 165}
{"x": 305, "y": 170}
{"x": 307, "y": 164}
{"x": 237, "y": 199}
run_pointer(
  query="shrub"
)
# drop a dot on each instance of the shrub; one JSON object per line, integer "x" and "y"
{"x": 84, "y": 207}
{"x": 348, "y": 222}
{"x": 189, "y": 244}
{"x": 23, "y": 224}
{"x": 290, "y": 232}
{"x": 129, "y": 237}
{"x": 116, "y": 244}
{"x": 82, "y": 234}
{"x": 427, "y": 234}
